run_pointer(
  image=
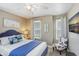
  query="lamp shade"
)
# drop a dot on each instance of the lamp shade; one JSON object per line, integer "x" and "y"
{"x": 26, "y": 32}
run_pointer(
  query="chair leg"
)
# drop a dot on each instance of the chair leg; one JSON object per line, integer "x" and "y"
{"x": 66, "y": 51}
{"x": 60, "y": 52}
{"x": 53, "y": 48}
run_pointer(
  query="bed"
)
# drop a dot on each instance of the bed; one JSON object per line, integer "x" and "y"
{"x": 23, "y": 47}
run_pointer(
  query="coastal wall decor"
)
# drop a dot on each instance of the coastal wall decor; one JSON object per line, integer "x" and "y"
{"x": 11, "y": 23}
{"x": 74, "y": 24}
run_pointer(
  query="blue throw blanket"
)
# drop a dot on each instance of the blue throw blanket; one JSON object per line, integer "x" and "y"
{"x": 25, "y": 49}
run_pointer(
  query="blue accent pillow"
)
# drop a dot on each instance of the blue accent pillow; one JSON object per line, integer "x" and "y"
{"x": 12, "y": 40}
{"x": 19, "y": 38}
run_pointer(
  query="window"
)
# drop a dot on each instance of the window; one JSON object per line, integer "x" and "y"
{"x": 59, "y": 28}
{"x": 37, "y": 29}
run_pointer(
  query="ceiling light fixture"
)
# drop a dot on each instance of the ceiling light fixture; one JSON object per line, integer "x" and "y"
{"x": 31, "y": 7}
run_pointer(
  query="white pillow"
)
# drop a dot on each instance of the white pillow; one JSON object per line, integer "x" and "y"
{"x": 4, "y": 40}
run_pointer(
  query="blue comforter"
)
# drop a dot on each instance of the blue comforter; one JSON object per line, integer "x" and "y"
{"x": 25, "y": 49}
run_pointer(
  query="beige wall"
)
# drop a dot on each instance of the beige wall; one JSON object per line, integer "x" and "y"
{"x": 3, "y": 15}
{"x": 73, "y": 37}
{"x": 49, "y": 36}
{"x": 46, "y": 36}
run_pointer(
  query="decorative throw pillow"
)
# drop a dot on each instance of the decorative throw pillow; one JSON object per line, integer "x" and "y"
{"x": 10, "y": 40}
{"x": 19, "y": 38}
{"x": 13, "y": 40}
{"x": 0, "y": 42}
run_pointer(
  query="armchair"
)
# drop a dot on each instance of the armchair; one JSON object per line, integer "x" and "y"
{"x": 61, "y": 45}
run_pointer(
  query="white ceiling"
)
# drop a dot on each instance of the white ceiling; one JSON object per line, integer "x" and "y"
{"x": 40, "y": 9}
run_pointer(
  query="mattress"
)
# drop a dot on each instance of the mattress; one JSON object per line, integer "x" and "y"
{"x": 37, "y": 51}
